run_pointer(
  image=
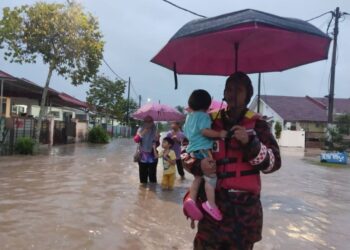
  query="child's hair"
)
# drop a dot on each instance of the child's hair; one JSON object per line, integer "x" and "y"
{"x": 199, "y": 100}
{"x": 169, "y": 140}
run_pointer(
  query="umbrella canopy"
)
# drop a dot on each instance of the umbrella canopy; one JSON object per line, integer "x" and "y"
{"x": 159, "y": 112}
{"x": 250, "y": 41}
{"x": 214, "y": 106}
{"x": 217, "y": 105}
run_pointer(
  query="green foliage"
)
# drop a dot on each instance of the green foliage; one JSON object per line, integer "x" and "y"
{"x": 63, "y": 35}
{"x": 24, "y": 145}
{"x": 336, "y": 134}
{"x": 107, "y": 96}
{"x": 163, "y": 127}
{"x": 181, "y": 109}
{"x": 66, "y": 38}
{"x": 278, "y": 129}
{"x": 98, "y": 135}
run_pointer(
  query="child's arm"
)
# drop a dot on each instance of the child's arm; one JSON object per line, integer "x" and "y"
{"x": 213, "y": 134}
{"x": 170, "y": 157}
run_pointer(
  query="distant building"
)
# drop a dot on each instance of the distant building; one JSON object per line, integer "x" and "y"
{"x": 306, "y": 114}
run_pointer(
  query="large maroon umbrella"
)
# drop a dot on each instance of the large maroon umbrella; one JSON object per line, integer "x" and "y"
{"x": 250, "y": 41}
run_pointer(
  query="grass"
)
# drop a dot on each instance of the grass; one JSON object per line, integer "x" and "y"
{"x": 325, "y": 164}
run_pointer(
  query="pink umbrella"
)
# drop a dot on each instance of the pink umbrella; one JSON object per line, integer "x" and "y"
{"x": 159, "y": 112}
{"x": 216, "y": 105}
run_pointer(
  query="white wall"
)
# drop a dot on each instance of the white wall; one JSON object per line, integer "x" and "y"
{"x": 36, "y": 110}
{"x": 292, "y": 139}
{"x": 26, "y": 102}
{"x": 265, "y": 110}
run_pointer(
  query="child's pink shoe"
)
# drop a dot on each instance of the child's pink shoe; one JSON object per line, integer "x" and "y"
{"x": 212, "y": 211}
{"x": 191, "y": 210}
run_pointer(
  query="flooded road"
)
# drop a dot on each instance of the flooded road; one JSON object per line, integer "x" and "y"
{"x": 89, "y": 197}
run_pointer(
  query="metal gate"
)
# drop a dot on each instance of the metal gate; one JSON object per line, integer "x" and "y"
{"x": 64, "y": 132}
{"x": 16, "y": 127}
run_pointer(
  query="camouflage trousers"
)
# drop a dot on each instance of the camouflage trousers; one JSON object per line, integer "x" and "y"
{"x": 240, "y": 228}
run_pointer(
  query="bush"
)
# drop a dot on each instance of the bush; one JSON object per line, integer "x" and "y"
{"x": 278, "y": 129}
{"x": 24, "y": 145}
{"x": 98, "y": 135}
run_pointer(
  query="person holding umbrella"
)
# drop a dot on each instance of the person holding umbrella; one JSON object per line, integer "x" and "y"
{"x": 248, "y": 150}
{"x": 148, "y": 138}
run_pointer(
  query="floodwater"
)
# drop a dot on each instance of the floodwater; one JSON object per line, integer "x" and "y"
{"x": 88, "y": 197}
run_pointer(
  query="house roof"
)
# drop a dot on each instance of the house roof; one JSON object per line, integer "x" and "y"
{"x": 4, "y": 75}
{"x": 72, "y": 100}
{"x": 341, "y": 105}
{"x": 16, "y": 87}
{"x": 292, "y": 108}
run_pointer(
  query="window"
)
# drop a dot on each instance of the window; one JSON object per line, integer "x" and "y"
{"x": 55, "y": 114}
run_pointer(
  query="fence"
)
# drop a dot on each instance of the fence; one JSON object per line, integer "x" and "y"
{"x": 13, "y": 128}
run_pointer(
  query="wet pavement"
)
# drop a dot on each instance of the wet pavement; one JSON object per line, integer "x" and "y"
{"x": 88, "y": 197}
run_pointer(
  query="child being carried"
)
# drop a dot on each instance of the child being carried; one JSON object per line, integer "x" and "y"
{"x": 198, "y": 130}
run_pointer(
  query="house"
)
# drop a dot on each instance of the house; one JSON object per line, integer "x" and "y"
{"x": 305, "y": 115}
{"x": 20, "y": 99}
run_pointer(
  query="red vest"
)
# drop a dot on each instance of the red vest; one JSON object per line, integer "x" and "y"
{"x": 232, "y": 171}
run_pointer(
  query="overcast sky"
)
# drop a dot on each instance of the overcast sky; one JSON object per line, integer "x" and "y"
{"x": 135, "y": 30}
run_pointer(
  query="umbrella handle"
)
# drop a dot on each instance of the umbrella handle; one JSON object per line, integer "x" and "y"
{"x": 236, "y": 56}
{"x": 175, "y": 75}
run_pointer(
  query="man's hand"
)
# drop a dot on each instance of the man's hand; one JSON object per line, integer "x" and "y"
{"x": 208, "y": 166}
{"x": 240, "y": 134}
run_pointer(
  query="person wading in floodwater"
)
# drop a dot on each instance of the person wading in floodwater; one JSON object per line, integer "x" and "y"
{"x": 177, "y": 135}
{"x": 248, "y": 150}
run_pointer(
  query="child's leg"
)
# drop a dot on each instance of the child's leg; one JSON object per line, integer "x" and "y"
{"x": 194, "y": 187}
{"x": 165, "y": 181}
{"x": 171, "y": 181}
{"x": 209, "y": 206}
{"x": 210, "y": 184}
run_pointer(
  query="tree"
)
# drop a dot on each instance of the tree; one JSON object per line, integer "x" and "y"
{"x": 67, "y": 40}
{"x": 181, "y": 109}
{"x": 338, "y": 132}
{"x": 107, "y": 96}
{"x": 278, "y": 129}
{"x": 120, "y": 111}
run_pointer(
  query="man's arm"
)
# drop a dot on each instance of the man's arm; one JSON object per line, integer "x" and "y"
{"x": 262, "y": 150}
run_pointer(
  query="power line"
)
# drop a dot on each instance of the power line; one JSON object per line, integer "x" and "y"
{"x": 181, "y": 8}
{"x": 120, "y": 78}
{"x": 319, "y": 16}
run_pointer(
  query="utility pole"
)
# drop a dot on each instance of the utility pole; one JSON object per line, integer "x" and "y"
{"x": 1, "y": 95}
{"x": 128, "y": 106}
{"x": 336, "y": 15}
{"x": 139, "y": 101}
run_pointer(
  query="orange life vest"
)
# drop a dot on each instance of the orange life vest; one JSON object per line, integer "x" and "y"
{"x": 233, "y": 171}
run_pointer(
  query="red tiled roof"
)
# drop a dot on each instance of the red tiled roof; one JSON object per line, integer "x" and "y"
{"x": 292, "y": 108}
{"x": 5, "y": 75}
{"x": 67, "y": 98}
{"x": 341, "y": 105}
{"x": 25, "y": 86}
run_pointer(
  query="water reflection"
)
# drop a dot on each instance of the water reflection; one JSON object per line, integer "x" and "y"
{"x": 88, "y": 197}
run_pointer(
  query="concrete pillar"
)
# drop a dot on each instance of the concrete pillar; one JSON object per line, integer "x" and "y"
{"x": 51, "y": 130}
{"x": 8, "y": 107}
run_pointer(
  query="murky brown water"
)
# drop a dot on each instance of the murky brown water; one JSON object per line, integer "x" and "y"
{"x": 88, "y": 197}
